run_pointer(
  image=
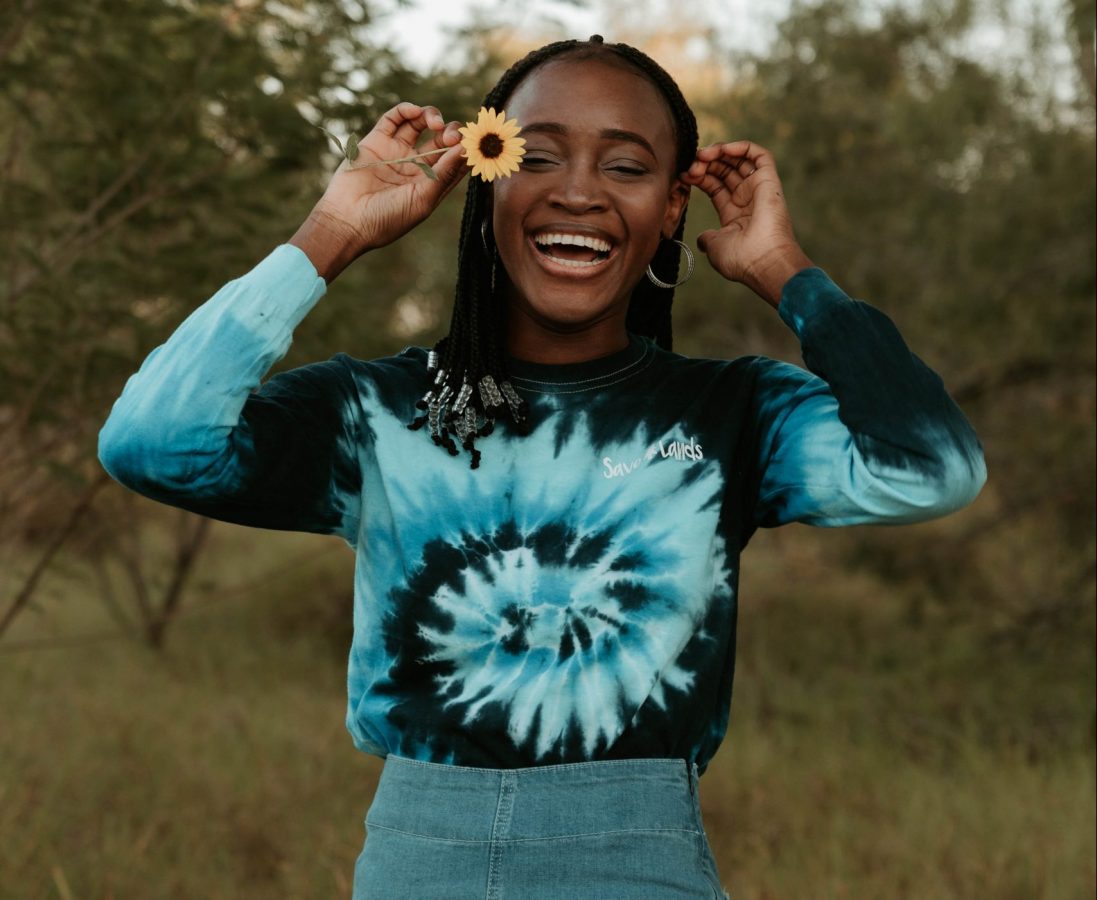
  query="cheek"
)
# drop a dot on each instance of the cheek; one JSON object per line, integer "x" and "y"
{"x": 507, "y": 202}
{"x": 645, "y": 218}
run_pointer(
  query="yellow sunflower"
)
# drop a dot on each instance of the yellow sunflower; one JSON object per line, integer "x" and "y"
{"x": 491, "y": 144}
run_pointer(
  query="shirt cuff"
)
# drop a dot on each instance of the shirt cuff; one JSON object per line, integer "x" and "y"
{"x": 807, "y": 296}
{"x": 277, "y": 294}
{"x": 288, "y": 268}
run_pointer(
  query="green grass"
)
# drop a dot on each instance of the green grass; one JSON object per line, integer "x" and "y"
{"x": 866, "y": 757}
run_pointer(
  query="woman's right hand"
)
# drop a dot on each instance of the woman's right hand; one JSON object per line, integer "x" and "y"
{"x": 373, "y": 206}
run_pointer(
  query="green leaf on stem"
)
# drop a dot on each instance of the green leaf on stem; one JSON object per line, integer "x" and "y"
{"x": 430, "y": 173}
{"x": 351, "y": 148}
{"x": 334, "y": 139}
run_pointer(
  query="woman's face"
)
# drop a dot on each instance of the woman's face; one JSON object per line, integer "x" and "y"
{"x": 599, "y": 169}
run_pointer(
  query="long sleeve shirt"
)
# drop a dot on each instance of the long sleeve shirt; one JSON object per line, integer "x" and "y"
{"x": 575, "y": 597}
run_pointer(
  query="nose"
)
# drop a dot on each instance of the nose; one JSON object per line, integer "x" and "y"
{"x": 578, "y": 189}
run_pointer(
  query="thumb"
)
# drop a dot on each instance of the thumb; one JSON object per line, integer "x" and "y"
{"x": 450, "y": 168}
{"x": 704, "y": 238}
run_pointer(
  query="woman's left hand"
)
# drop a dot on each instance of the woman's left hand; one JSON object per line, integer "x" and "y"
{"x": 755, "y": 244}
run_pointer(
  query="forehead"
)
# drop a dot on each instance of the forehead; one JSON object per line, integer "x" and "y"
{"x": 588, "y": 95}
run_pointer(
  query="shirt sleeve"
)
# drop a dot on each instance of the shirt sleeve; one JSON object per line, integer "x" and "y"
{"x": 194, "y": 429}
{"x": 869, "y": 434}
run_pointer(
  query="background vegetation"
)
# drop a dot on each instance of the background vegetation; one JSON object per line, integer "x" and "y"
{"x": 914, "y": 712}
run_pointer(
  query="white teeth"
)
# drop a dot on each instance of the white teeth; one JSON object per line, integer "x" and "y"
{"x": 579, "y": 240}
{"x": 577, "y": 264}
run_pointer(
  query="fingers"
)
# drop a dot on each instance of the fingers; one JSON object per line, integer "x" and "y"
{"x": 406, "y": 121}
{"x": 729, "y": 202}
{"x": 733, "y": 162}
{"x": 448, "y": 166}
{"x": 447, "y": 137}
{"x": 741, "y": 150}
{"x": 732, "y": 174}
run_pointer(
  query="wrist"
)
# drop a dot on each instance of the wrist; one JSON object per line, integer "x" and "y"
{"x": 770, "y": 276}
{"x": 329, "y": 243}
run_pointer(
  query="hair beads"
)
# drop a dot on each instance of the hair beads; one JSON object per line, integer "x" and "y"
{"x": 472, "y": 354}
{"x": 490, "y": 398}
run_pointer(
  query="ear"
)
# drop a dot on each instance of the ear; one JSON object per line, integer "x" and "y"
{"x": 677, "y": 200}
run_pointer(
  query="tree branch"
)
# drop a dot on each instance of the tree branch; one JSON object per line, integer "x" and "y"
{"x": 75, "y": 515}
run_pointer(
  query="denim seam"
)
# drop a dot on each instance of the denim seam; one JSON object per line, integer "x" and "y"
{"x": 508, "y": 784}
{"x": 553, "y": 837}
{"x": 570, "y": 837}
{"x": 526, "y": 771}
{"x": 704, "y": 851}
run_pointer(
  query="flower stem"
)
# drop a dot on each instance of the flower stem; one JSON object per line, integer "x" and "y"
{"x": 392, "y": 162}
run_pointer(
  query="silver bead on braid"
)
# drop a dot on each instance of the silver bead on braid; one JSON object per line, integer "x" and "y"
{"x": 490, "y": 398}
{"x": 434, "y": 413}
{"x": 437, "y": 410}
{"x": 465, "y": 425}
{"x": 463, "y": 397}
{"x": 517, "y": 407}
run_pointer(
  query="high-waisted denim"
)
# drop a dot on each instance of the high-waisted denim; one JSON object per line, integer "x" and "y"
{"x": 626, "y": 829}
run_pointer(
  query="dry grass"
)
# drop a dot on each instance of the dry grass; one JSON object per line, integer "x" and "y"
{"x": 865, "y": 758}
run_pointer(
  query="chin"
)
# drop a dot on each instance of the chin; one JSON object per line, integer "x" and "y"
{"x": 571, "y": 312}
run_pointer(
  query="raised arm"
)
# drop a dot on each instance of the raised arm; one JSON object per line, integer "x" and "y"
{"x": 193, "y": 428}
{"x": 869, "y": 434}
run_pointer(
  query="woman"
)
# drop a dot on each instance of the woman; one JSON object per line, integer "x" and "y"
{"x": 545, "y": 618}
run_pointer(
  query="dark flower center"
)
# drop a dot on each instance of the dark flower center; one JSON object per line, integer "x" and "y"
{"x": 491, "y": 145}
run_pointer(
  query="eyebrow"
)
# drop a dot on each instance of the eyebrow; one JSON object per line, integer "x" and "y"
{"x": 612, "y": 134}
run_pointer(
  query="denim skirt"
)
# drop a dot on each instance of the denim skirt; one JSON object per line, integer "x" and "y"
{"x": 626, "y": 829}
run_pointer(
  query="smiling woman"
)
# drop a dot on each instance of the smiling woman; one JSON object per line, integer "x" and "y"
{"x": 544, "y": 637}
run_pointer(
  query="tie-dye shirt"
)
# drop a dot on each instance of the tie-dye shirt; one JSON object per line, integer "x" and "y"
{"x": 575, "y": 597}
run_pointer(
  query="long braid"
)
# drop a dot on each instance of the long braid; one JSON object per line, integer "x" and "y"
{"x": 470, "y": 388}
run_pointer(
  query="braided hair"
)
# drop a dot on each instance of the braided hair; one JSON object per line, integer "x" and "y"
{"x": 470, "y": 389}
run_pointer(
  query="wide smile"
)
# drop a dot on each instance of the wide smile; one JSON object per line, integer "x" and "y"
{"x": 573, "y": 257}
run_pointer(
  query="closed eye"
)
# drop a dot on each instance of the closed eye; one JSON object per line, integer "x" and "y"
{"x": 527, "y": 160}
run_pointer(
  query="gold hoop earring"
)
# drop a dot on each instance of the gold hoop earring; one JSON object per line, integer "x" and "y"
{"x": 689, "y": 268}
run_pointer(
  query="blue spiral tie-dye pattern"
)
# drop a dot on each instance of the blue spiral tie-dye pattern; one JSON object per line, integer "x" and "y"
{"x": 574, "y": 598}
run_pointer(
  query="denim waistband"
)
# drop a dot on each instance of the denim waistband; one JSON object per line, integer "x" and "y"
{"x": 463, "y": 803}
